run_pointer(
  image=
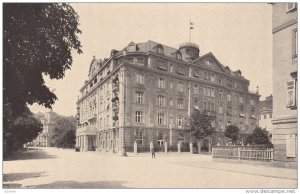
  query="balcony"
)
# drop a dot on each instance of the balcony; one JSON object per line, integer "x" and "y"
{"x": 90, "y": 117}
{"x": 252, "y": 116}
{"x": 88, "y": 130}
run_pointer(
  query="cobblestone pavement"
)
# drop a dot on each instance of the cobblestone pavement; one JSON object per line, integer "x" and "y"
{"x": 59, "y": 168}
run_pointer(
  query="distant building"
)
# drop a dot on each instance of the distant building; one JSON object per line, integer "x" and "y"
{"x": 285, "y": 58}
{"x": 48, "y": 121}
{"x": 144, "y": 92}
{"x": 265, "y": 113}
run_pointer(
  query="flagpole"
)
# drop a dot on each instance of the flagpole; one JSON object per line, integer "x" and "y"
{"x": 190, "y": 32}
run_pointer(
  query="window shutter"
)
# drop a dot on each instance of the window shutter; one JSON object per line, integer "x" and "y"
{"x": 290, "y": 145}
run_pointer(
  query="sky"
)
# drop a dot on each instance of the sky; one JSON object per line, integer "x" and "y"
{"x": 238, "y": 34}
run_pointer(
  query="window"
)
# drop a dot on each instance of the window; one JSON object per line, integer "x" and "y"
{"x": 139, "y": 117}
{"x": 270, "y": 115}
{"x": 206, "y": 75}
{"x": 220, "y": 81}
{"x": 160, "y": 50}
{"x": 196, "y": 89}
{"x": 291, "y": 94}
{"x": 221, "y": 94}
{"x": 195, "y": 102}
{"x": 251, "y": 102}
{"x": 179, "y": 121}
{"x": 241, "y": 99}
{"x": 212, "y": 77}
{"x": 130, "y": 60}
{"x": 140, "y": 60}
{"x": 171, "y": 102}
{"x": 220, "y": 108}
{"x": 138, "y": 136}
{"x": 161, "y": 119}
{"x": 208, "y": 91}
{"x": 229, "y": 97}
{"x": 208, "y": 63}
{"x": 171, "y": 68}
{"x": 139, "y": 78}
{"x": 196, "y": 74}
{"x": 180, "y": 87}
{"x": 265, "y": 116}
{"x": 295, "y": 44}
{"x": 290, "y": 7}
{"x": 180, "y": 103}
{"x": 161, "y": 101}
{"x": 178, "y": 56}
{"x": 161, "y": 83}
{"x": 139, "y": 97}
{"x": 160, "y": 140}
{"x": 171, "y": 85}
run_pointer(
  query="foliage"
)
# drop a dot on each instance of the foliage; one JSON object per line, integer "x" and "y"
{"x": 199, "y": 125}
{"x": 232, "y": 132}
{"x": 23, "y": 128}
{"x": 258, "y": 136}
{"x": 61, "y": 133}
{"x": 37, "y": 39}
{"x": 67, "y": 139}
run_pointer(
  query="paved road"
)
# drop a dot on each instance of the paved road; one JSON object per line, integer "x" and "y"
{"x": 58, "y": 168}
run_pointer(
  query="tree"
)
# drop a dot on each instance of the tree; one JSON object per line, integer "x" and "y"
{"x": 199, "y": 125}
{"x": 62, "y": 124}
{"x": 258, "y": 136}
{"x": 67, "y": 139}
{"x": 24, "y": 128}
{"x": 37, "y": 39}
{"x": 232, "y": 132}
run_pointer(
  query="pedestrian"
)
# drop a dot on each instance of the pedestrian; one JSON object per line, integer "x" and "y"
{"x": 153, "y": 152}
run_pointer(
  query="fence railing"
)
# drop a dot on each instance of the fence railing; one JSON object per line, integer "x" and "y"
{"x": 243, "y": 153}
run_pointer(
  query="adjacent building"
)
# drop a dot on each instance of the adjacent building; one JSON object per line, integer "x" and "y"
{"x": 265, "y": 113}
{"x": 285, "y": 59}
{"x": 144, "y": 92}
{"x": 44, "y": 138}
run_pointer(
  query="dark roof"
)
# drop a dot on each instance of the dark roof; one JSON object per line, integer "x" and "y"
{"x": 267, "y": 103}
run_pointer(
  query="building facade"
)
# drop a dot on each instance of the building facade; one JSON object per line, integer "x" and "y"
{"x": 285, "y": 58}
{"x": 44, "y": 138}
{"x": 144, "y": 92}
{"x": 266, "y": 113}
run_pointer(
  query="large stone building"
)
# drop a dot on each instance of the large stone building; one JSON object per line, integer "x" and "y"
{"x": 285, "y": 58}
{"x": 48, "y": 121}
{"x": 143, "y": 93}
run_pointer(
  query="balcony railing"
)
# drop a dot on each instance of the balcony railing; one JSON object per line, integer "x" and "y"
{"x": 85, "y": 128}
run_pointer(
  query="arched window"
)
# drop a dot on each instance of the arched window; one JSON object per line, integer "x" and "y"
{"x": 178, "y": 56}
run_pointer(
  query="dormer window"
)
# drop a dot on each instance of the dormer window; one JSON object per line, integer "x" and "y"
{"x": 160, "y": 50}
{"x": 178, "y": 56}
{"x": 208, "y": 62}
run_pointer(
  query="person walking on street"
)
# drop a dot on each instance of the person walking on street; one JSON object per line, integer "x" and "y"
{"x": 153, "y": 152}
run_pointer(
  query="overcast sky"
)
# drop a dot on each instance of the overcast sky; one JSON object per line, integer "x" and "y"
{"x": 239, "y": 35}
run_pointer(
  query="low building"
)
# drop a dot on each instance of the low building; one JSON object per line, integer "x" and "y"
{"x": 144, "y": 92}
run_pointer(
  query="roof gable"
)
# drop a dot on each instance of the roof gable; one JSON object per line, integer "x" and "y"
{"x": 209, "y": 61}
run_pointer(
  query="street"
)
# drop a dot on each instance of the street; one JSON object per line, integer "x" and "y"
{"x": 59, "y": 168}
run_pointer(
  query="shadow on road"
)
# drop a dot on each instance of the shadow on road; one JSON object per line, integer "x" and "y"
{"x": 12, "y": 186}
{"x": 81, "y": 185}
{"x": 29, "y": 154}
{"x": 20, "y": 176}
